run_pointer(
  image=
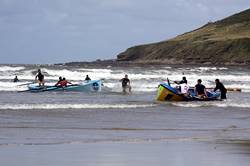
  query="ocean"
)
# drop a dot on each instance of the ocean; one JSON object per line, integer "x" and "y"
{"x": 110, "y": 128}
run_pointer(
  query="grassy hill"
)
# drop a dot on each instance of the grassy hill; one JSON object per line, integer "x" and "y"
{"x": 225, "y": 41}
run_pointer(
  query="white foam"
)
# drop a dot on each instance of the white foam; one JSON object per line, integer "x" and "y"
{"x": 11, "y": 86}
{"x": 72, "y": 106}
{"x": 211, "y": 68}
{"x": 10, "y": 68}
{"x": 78, "y": 74}
{"x": 209, "y": 104}
{"x": 141, "y": 79}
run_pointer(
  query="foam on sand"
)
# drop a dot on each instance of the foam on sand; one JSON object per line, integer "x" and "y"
{"x": 72, "y": 106}
{"x": 11, "y": 68}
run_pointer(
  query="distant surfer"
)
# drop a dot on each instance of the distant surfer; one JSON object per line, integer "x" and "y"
{"x": 15, "y": 79}
{"x": 40, "y": 78}
{"x": 87, "y": 78}
{"x": 222, "y": 89}
{"x": 125, "y": 84}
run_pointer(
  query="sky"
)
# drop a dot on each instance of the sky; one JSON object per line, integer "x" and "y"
{"x": 58, "y": 31}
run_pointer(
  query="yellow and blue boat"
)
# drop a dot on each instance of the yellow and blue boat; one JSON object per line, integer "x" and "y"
{"x": 169, "y": 93}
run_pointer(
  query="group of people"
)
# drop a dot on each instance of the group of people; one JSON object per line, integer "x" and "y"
{"x": 39, "y": 78}
{"x": 200, "y": 89}
{"x": 62, "y": 81}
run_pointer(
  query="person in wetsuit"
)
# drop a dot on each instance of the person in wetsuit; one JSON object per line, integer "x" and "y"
{"x": 184, "y": 80}
{"x": 40, "y": 78}
{"x": 125, "y": 84}
{"x": 15, "y": 79}
{"x": 222, "y": 89}
{"x": 87, "y": 78}
{"x": 200, "y": 89}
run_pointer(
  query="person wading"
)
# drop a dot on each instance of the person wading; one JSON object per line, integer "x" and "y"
{"x": 222, "y": 89}
{"x": 126, "y": 84}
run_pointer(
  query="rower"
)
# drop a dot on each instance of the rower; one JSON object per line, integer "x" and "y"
{"x": 200, "y": 89}
{"x": 58, "y": 82}
{"x": 64, "y": 83}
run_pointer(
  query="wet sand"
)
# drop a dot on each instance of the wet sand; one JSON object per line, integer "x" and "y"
{"x": 173, "y": 136}
{"x": 174, "y": 153}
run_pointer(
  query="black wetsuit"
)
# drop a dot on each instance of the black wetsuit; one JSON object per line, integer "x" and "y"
{"x": 183, "y": 81}
{"x": 125, "y": 82}
{"x": 180, "y": 82}
{"x": 87, "y": 79}
{"x": 15, "y": 79}
{"x": 200, "y": 89}
{"x": 40, "y": 76}
{"x": 222, "y": 89}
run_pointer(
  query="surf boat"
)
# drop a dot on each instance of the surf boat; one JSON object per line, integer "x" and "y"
{"x": 85, "y": 86}
{"x": 169, "y": 93}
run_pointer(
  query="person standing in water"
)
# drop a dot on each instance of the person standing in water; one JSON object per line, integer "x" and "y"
{"x": 40, "y": 78}
{"x": 222, "y": 89}
{"x": 125, "y": 84}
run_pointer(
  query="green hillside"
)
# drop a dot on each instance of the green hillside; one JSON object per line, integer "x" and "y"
{"x": 223, "y": 42}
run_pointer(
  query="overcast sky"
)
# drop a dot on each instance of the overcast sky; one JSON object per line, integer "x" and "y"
{"x": 51, "y": 31}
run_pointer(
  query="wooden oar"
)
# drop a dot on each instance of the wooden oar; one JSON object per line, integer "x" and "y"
{"x": 234, "y": 89}
{"x": 23, "y": 91}
{"x": 230, "y": 89}
{"x": 26, "y": 84}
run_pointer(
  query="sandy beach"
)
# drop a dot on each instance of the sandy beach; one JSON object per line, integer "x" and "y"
{"x": 125, "y": 137}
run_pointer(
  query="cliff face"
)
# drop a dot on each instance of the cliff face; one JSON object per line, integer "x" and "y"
{"x": 223, "y": 42}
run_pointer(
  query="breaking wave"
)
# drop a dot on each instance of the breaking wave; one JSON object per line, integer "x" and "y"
{"x": 144, "y": 80}
{"x": 72, "y": 106}
{"x": 11, "y": 68}
{"x": 213, "y": 104}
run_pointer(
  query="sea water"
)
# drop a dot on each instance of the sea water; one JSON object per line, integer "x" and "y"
{"x": 109, "y": 127}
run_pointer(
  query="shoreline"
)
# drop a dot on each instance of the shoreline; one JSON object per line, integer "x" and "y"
{"x": 115, "y": 63}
